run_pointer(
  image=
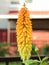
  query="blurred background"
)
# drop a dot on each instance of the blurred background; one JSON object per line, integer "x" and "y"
{"x": 40, "y": 34}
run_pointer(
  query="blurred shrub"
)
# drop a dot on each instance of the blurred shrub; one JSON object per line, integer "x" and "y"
{"x": 2, "y": 44}
{"x": 45, "y": 49}
{"x": 3, "y": 48}
{"x": 33, "y": 49}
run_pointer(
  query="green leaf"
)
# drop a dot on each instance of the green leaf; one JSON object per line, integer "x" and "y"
{"x": 44, "y": 63}
{"x": 44, "y": 59}
{"x": 31, "y": 61}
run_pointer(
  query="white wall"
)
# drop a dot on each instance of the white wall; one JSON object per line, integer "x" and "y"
{"x": 38, "y": 5}
{"x": 4, "y": 6}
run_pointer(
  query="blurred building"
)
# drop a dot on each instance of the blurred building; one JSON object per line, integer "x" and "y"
{"x": 40, "y": 35}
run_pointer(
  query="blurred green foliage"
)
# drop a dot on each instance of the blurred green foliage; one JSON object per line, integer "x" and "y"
{"x": 3, "y": 48}
{"x": 33, "y": 49}
{"x": 45, "y": 50}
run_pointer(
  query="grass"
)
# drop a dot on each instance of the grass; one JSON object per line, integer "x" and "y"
{"x": 2, "y": 63}
{"x": 15, "y": 63}
{"x": 11, "y": 63}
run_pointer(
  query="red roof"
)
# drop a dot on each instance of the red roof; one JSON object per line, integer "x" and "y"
{"x": 13, "y": 12}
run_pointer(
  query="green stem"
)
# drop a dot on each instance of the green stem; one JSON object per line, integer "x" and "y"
{"x": 39, "y": 57}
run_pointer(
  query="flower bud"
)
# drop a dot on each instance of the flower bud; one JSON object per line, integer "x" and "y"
{"x": 36, "y": 49}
